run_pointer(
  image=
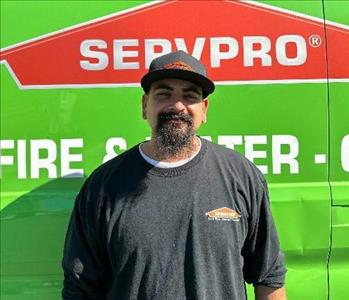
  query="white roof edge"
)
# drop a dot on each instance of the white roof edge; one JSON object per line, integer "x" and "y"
{"x": 218, "y": 83}
{"x": 281, "y": 81}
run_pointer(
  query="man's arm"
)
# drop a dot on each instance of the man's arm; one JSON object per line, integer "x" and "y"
{"x": 264, "y": 264}
{"x": 263, "y": 292}
{"x": 84, "y": 263}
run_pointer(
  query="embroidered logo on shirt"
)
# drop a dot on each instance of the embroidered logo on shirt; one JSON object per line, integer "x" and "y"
{"x": 223, "y": 214}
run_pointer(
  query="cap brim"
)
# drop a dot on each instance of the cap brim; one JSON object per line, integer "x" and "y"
{"x": 206, "y": 84}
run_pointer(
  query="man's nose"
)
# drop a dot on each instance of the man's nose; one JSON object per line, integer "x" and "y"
{"x": 178, "y": 104}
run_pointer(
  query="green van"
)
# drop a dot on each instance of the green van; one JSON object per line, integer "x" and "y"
{"x": 71, "y": 100}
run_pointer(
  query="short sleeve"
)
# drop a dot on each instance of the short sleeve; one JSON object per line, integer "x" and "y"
{"x": 263, "y": 260}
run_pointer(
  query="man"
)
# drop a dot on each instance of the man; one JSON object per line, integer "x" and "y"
{"x": 176, "y": 217}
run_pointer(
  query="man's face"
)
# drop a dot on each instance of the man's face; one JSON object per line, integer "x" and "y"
{"x": 175, "y": 109}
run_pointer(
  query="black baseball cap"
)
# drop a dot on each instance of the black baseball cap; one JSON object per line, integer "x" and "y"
{"x": 178, "y": 65}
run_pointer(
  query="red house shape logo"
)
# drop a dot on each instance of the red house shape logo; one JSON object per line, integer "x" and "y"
{"x": 240, "y": 42}
{"x": 223, "y": 214}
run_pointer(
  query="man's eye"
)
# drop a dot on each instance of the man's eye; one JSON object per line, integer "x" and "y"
{"x": 192, "y": 97}
{"x": 163, "y": 94}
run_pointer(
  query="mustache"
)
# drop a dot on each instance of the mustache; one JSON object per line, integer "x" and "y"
{"x": 168, "y": 116}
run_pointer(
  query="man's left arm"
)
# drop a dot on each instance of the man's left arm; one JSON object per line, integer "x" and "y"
{"x": 263, "y": 292}
{"x": 264, "y": 264}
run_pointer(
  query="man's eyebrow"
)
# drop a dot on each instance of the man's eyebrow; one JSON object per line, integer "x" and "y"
{"x": 192, "y": 88}
{"x": 163, "y": 86}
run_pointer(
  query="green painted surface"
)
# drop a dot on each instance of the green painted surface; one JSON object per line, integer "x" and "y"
{"x": 303, "y": 237}
{"x": 339, "y": 171}
{"x": 339, "y": 262}
{"x": 339, "y": 126}
{"x": 35, "y": 212}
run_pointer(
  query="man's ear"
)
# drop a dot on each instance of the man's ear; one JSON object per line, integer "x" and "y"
{"x": 204, "y": 110}
{"x": 144, "y": 106}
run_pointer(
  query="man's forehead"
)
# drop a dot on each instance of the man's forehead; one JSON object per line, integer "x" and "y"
{"x": 174, "y": 83}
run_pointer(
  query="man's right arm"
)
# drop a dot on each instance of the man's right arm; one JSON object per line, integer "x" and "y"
{"x": 83, "y": 262}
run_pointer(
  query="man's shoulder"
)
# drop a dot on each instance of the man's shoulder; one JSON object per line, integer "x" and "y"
{"x": 115, "y": 165}
{"x": 224, "y": 153}
{"x": 108, "y": 179}
{"x": 233, "y": 160}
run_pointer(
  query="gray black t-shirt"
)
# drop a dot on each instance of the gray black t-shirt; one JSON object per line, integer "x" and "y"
{"x": 197, "y": 231}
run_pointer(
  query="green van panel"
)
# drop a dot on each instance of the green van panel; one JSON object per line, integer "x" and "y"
{"x": 338, "y": 11}
{"x": 35, "y": 211}
{"x": 339, "y": 260}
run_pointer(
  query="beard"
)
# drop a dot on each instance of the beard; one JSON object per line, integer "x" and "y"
{"x": 174, "y": 133}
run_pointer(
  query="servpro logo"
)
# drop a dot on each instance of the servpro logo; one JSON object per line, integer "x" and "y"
{"x": 255, "y": 50}
{"x": 223, "y": 214}
{"x": 239, "y": 41}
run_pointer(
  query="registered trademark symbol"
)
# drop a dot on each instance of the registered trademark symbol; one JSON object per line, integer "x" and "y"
{"x": 315, "y": 40}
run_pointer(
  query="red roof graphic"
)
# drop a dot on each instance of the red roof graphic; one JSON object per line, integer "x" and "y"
{"x": 238, "y": 42}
